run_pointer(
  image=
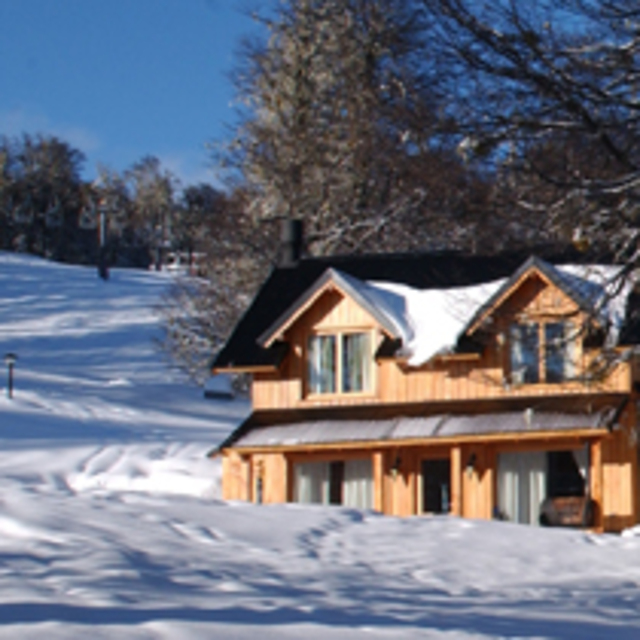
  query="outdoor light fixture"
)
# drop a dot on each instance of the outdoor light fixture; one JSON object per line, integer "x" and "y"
{"x": 10, "y": 360}
{"x": 396, "y": 466}
{"x": 471, "y": 464}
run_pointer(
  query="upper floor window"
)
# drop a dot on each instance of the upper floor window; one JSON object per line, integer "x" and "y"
{"x": 339, "y": 363}
{"x": 559, "y": 351}
{"x": 525, "y": 353}
{"x": 542, "y": 352}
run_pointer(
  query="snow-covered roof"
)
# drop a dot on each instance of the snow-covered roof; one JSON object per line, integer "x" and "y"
{"x": 431, "y": 321}
{"x": 385, "y": 306}
{"x": 434, "y": 318}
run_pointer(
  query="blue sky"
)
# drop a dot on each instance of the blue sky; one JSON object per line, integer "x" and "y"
{"x": 120, "y": 79}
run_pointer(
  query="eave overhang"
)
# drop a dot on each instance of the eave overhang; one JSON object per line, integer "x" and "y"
{"x": 579, "y": 435}
{"x": 577, "y": 416}
{"x": 330, "y": 280}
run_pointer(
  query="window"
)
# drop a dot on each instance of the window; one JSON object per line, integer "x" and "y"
{"x": 355, "y": 362}
{"x": 526, "y": 479}
{"x": 339, "y": 363}
{"x": 349, "y": 483}
{"x": 567, "y": 473}
{"x": 322, "y": 364}
{"x": 525, "y": 353}
{"x": 559, "y": 356}
{"x": 553, "y": 363}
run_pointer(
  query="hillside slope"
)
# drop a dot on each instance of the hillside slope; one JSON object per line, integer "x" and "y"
{"x": 110, "y": 522}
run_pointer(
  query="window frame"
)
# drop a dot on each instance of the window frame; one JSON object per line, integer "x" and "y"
{"x": 545, "y": 350}
{"x": 368, "y": 373}
{"x": 333, "y": 481}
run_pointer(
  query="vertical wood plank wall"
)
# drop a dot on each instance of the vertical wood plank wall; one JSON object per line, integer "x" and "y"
{"x": 620, "y": 474}
{"x": 236, "y": 477}
{"x": 272, "y": 469}
{"x": 456, "y": 481}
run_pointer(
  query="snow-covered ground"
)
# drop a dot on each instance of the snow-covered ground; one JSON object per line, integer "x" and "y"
{"x": 111, "y": 525}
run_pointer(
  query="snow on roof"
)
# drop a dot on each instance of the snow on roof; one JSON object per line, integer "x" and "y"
{"x": 433, "y": 318}
{"x": 388, "y": 305}
{"x": 430, "y": 321}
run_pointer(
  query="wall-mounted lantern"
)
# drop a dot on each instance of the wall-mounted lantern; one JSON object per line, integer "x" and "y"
{"x": 397, "y": 463}
{"x": 471, "y": 464}
{"x": 10, "y": 361}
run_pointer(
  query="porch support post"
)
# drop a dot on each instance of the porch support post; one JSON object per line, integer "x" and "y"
{"x": 378, "y": 481}
{"x": 456, "y": 481}
{"x": 596, "y": 484}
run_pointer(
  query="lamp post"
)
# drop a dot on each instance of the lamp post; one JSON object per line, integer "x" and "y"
{"x": 10, "y": 360}
{"x": 103, "y": 267}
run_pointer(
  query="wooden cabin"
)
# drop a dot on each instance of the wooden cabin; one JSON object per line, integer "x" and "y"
{"x": 440, "y": 383}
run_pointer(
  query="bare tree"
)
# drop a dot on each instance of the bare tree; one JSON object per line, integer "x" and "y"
{"x": 41, "y": 196}
{"x": 152, "y": 191}
{"x": 546, "y": 93}
{"x": 341, "y": 129}
{"x": 200, "y": 208}
{"x": 200, "y": 312}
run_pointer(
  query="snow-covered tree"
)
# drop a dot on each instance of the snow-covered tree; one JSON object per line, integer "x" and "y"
{"x": 340, "y": 127}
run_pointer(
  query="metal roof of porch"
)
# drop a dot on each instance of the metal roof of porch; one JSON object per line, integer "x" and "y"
{"x": 323, "y": 432}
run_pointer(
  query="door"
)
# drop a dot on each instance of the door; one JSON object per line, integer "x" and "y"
{"x": 436, "y": 486}
{"x": 522, "y": 480}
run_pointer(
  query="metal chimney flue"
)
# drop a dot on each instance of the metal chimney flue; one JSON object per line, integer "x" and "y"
{"x": 291, "y": 239}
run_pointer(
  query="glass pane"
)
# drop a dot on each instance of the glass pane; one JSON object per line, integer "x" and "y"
{"x": 355, "y": 362}
{"x": 311, "y": 483}
{"x": 358, "y": 484}
{"x": 322, "y": 364}
{"x": 524, "y": 353}
{"x": 557, "y": 351}
{"x": 564, "y": 477}
{"x": 521, "y": 486}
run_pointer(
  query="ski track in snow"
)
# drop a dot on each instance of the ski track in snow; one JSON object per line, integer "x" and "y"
{"x": 111, "y": 523}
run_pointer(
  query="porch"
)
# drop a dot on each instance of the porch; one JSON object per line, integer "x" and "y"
{"x": 486, "y": 466}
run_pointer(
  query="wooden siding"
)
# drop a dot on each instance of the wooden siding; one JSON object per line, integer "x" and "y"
{"x": 620, "y": 474}
{"x": 441, "y": 379}
{"x": 456, "y": 481}
{"x": 236, "y": 476}
{"x": 271, "y": 470}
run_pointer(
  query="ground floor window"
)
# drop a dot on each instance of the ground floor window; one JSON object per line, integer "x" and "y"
{"x": 526, "y": 479}
{"x": 349, "y": 483}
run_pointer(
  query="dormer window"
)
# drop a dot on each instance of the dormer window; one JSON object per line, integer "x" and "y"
{"x": 339, "y": 363}
{"x": 559, "y": 351}
{"x": 541, "y": 352}
{"x": 525, "y": 353}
